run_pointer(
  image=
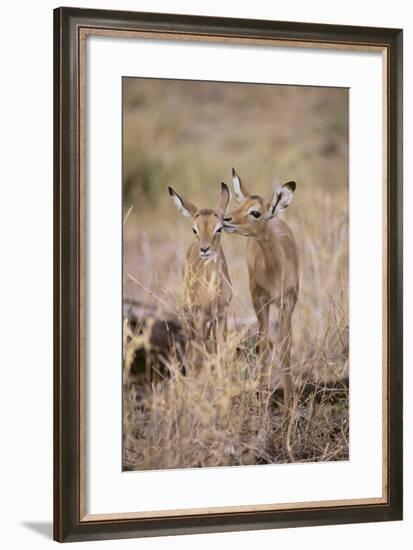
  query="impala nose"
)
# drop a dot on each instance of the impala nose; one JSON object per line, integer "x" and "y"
{"x": 204, "y": 249}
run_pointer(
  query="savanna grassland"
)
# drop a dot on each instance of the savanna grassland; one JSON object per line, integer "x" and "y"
{"x": 189, "y": 135}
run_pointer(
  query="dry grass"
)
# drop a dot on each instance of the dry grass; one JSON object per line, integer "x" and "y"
{"x": 216, "y": 414}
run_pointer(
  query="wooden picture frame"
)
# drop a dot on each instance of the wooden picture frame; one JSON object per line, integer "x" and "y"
{"x": 71, "y": 27}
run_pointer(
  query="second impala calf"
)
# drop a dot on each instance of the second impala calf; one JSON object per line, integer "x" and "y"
{"x": 207, "y": 286}
{"x": 272, "y": 259}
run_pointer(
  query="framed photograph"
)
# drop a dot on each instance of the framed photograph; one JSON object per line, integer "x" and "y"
{"x": 228, "y": 274}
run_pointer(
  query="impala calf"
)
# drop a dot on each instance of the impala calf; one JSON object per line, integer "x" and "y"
{"x": 272, "y": 259}
{"x": 207, "y": 286}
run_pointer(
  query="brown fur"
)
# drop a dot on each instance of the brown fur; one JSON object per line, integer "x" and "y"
{"x": 273, "y": 268}
{"x": 207, "y": 285}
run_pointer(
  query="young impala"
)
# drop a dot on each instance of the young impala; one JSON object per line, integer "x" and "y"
{"x": 272, "y": 260}
{"x": 207, "y": 286}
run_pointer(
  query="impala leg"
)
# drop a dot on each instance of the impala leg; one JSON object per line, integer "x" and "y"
{"x": 221, "y": 329}
{"x": 196, "y": 338}
{"x": 217, "y": 334}
{"x": 204, "y": 329}
{"x": 284, "y": 344}
{"x": 262, "y": 311}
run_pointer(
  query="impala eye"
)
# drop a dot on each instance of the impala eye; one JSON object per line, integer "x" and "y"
{"x": 255, "y": 213}
{"x": 194, "y": 231}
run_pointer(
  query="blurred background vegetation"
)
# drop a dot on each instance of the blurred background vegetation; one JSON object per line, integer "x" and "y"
{"x": 188, "y": 134}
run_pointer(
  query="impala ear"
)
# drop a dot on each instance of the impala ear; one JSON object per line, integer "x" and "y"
{"x": 281, "y": 199}
{"x": 224, "y": 199}
{"x": 241, "y": 192}
{"x": 185, "y": 207}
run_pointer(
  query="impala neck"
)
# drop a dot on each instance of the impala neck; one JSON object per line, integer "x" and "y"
{"x": 270, "y": 246}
